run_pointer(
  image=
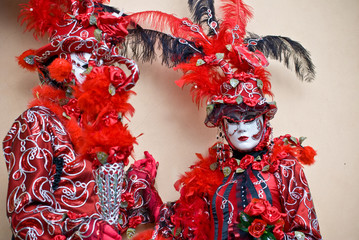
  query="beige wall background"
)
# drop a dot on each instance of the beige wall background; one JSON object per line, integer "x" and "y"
{"x": 325, "y": 111}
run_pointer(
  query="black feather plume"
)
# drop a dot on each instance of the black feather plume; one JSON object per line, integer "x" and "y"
{"x": 144, "y": 45}
{"x": 285, "y": 50}
{"x": 199, "y": 10}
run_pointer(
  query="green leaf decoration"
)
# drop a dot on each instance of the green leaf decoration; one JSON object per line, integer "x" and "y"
{"x": 265, "y": 168}
{"x": 301, "y": 140}
{"x": 239, "y": 99}
{"x": 234, "y": 82}
{"x": 112, "y": 89}
{"x": 226, "y": 171}
{"x": 242, "y": 227}
{"x": 219, "y": 55}
{"x": 88, "y": 70}
{"x": 98, "y": 34}
{"x": 260, "y": 83}
{"x": 66, "y": 116}
{"x": 294, "y": 140}
{"x": 200, "y": 62}
{"x": 102, "y": 157}
{"x": 229, "y": 47}
{"x": 218, "y": 101}
{"x": 209, "y": 108}
{"x": 238, "y": 161}
{"x": 124, "y": 204}
{"x": 267, "y": 236}
{"x": 130, "y": 233}
{"x": 245, "y": 219}
{"x": 285, "y": 141}
{"x": 258, "y": 158}
{"x": 239, "y": 170}
{"x": 93, "y": 20}
{"x": 213, "y": 166}
{"x": 176, "y": 231}
{"x": 299, "y": 235}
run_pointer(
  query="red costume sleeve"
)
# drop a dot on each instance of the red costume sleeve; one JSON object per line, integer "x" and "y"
{"x": 297, "y": 201}
{"x": 30, "y": 146}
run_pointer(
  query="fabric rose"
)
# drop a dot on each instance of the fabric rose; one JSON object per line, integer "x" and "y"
{"x": 110, "y": 119}
{"x": 250, "y": 101}
{"x": 271, "y": 215}
{"x": 254, "y": 58}
{"x": 71, "y": 108}
{"x": 256, "y": 207}
{"x": 128, "y": 199}
{"x": 259, "y": 165}
{"x": 117, "y": 76}
{"x": 257, "y": 228}
{"x": 134, "y": 221}
{"x": 274, "y": 166}
{"x": 210, "y": 58}
{"x": 114, "y": 26}
{"x": 118, "y": 154}
{"x": 84, "y": 19}
{"x": 246, "y": 161}
{"x": 278, "y": 229}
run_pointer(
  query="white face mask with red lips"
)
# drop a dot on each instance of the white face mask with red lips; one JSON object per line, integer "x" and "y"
{"x": 79, "y": 63}
{"x": 244, "y": 136}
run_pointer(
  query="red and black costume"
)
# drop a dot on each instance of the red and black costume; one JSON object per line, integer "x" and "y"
{"x": 73, "y": 128}
{"x": 226, "y": 67}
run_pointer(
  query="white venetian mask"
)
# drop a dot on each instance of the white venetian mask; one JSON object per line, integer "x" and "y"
{"x": 244, "y": 136}
{"x": 79, "y": 65}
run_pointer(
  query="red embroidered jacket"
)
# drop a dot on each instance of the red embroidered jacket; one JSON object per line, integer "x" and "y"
{"x": 212, "y": 197}
{"x": 36, "y": 208}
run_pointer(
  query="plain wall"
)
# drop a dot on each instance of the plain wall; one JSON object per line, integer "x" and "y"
{"x": 325, "y": 111}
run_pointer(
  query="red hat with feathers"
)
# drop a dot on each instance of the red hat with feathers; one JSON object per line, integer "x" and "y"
{"x": 75, "y": 26}
{"x": 223, "y": 66}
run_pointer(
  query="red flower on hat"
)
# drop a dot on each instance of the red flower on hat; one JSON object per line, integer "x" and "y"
{"x": 114, "y": 26}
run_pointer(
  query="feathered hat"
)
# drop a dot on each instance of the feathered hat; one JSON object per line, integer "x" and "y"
{"x": 76, "y": 26}
{"x": 224, "y": 65}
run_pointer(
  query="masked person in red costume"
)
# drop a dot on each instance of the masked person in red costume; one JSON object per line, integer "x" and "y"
{"x": 71, "y": 143}
{"x": 253, "y": 186}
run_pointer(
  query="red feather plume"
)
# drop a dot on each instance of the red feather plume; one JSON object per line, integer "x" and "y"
{"x": 23, "y": 63}
{"x": 236, "y": 13}
{"x": 42, "y": 16}
{"x": 164, "y": 22}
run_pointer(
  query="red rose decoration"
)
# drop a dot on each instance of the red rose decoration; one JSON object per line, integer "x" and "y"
{"x": 246, "y": 161}
{"x": 71, "y": 108}
{"x": 113, "y": 26}
{"x": 117, "y": 76}
{"x": 278, "y": 229}
{"x": 259, "y": 165}
{"x": 134, "y": 221}
{"x": 209, "y": 59}
{"x": 110, "y": 119}
{"x": 256, "y": 58}
{"x": 250, "y": 101}
{"x": 118, "y": 154}
{"x": 271, "y": 215}
{"x": 256, "y": 207}
{"x": 128, "y": 198}
{"x": 257, "y": 228}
